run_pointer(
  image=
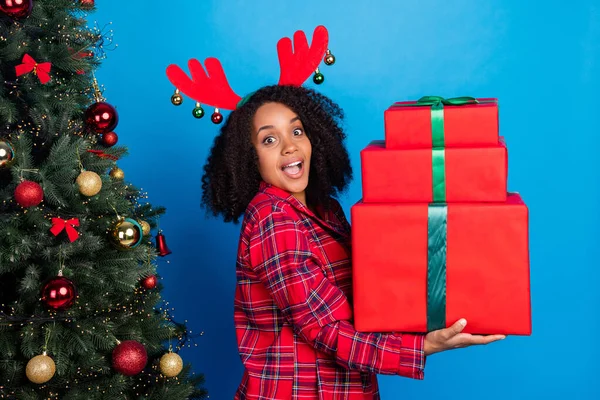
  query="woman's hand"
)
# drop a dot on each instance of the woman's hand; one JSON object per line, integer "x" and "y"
{"x": 452, "y": 338}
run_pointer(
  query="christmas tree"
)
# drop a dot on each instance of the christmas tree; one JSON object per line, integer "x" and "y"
{"x": 81, "y": 316}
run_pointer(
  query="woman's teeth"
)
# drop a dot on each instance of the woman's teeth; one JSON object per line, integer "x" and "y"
{"x": 293, "y": 168}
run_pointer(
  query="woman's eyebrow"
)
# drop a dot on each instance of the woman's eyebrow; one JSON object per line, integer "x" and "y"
{"x": 296, "y": 118}
{"x": 264, "y": 127}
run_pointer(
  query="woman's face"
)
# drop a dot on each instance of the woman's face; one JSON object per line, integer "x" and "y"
{"x": 283, "y": 148}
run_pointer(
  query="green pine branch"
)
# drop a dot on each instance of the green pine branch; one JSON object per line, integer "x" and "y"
{"x": 52, "y": 145}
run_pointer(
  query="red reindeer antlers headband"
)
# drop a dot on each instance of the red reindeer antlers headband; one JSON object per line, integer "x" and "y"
{"x": 210, "y": 86}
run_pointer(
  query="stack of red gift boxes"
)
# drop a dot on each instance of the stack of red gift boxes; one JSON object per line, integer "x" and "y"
{"x": 436, "y": 237}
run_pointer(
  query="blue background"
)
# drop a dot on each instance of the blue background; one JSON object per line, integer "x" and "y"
{"x": 541, "y": 59}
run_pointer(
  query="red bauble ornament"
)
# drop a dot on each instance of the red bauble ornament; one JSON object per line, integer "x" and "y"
{"x": 129, "y": 358}
{"x": 149, "y": 282}
{"x": 16, "y": 9}
{"x": 217, "y": 117}
{"x": 109, "y": 139}
{"x": 59, "y": 293}
{"x": 101, "y": 117}
{"x": 29, "y": 194}
{"x": 87, "y": 3}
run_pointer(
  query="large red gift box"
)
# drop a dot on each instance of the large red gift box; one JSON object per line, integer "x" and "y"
{"x": 477, "y": 174}
{"x": 408, "y": 125}
{"x": 480, "y": 270}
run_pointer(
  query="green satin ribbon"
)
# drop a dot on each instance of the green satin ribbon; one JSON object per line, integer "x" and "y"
{"x": 437, "y": 218}
{"x": 437, "y": 137}
{"x": 437, "y": 113}
{"x": 438, "y": 168}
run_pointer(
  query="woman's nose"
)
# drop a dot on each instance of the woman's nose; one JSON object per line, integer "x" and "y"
{"x": 288, "y": 146}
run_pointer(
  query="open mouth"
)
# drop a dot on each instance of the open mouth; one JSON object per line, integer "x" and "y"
{"x": 293, "y": 169}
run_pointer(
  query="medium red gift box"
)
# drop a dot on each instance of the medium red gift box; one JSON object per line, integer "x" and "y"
{"x": 420, "y": 267}
{"x": 429, "y": 122}
{"x": 469, "y": 174}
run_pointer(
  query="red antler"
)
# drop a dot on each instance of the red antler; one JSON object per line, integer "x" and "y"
{"x": 211, "y": 89}
{"x": 298, "y": 65}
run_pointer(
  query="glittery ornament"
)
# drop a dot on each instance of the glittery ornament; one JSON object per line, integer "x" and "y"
{"x": 89, "y": 183}
{"x": 117, "y": 174}
{"x": 145, "y": 227}
{"x": 171, "y": 365}
{"x": 149, "y": 282}
{"x": 109, "y": 139}
{"x": 129, "y": 358}
{"x": 29, "y": 194}
{"x": 40, "y": 369}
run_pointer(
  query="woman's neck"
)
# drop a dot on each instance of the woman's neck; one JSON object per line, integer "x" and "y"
{"x": 301, "y": 197}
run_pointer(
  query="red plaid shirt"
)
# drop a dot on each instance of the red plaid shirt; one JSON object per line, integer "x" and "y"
{"x": 293, "y": 309}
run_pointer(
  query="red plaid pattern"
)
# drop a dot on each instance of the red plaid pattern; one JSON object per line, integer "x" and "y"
{"x": 293, "y": 309}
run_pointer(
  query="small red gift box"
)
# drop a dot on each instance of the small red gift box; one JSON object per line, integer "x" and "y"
{"x": 462, "y": 174}
{"x": 420, "y": 267}
{"x": 436, "y": 122}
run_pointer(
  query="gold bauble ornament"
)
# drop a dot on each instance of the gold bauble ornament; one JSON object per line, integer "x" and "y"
{"x": 126, "y": 233}
{"x": 329, "y": 58}
{"x": 176, "y": 99}
{"x": 40, "y": 369}
{"x": 145, "y": 227}
{"x": 171, "y": 365}
{"x": 117, "y": 173}
{"x": 89, "y": 183}
{"x": 7, "y": 154}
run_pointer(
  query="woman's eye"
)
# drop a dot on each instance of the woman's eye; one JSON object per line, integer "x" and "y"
{"x": 298, "y": 131}
{"x": 269, "y": 140}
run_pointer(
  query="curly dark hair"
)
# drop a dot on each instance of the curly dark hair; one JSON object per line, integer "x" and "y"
{"x": 231, "y": 175}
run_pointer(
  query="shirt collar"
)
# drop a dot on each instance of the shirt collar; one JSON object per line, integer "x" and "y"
{"x": 329, "y": 219}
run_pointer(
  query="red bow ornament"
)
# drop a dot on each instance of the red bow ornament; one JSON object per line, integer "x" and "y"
{"x": 29, "y": 64}
{"x": 59, "y": 224}
{"x": 102, "y": 154}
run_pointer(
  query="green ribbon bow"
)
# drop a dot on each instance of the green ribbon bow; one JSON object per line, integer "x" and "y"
{"x": 437, "y": 219}
{"x": 453, "y": 101}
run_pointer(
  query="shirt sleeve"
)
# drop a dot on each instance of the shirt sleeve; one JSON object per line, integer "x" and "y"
{"x": 318, "y": 310}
